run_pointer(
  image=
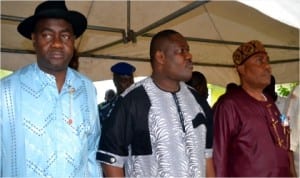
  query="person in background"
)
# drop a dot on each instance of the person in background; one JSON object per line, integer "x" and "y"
{"x": 279, "y": 100}
{"x": 160, "y": 127}
{"x": 250, "y": 139}
{"x": 109, "y": 95}
{"x": 122, "y": 78}
{"x": 231, "y": 86}
{"x": 270, "y": 89}
{"x": 198, "y": 82}
{"x": 229, "y": 89}
{"x": 49, "y": 119}
{"x": 293, "y": 114}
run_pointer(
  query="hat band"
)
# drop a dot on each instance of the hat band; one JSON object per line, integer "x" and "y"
{"x": 251, "y": 56}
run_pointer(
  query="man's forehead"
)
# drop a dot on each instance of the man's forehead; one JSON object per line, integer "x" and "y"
{"x": 177, "y": 38}
{"x": 179, "y": 41}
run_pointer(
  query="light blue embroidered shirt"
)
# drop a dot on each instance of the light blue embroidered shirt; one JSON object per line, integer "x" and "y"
{"x": 45, "y": 133}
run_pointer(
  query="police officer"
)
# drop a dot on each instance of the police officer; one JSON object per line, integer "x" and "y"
{"x": 122, "y": 78}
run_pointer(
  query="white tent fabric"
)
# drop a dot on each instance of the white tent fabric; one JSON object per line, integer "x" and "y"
{"x": 284, "y": 11}
{"x": 122, "y": 30}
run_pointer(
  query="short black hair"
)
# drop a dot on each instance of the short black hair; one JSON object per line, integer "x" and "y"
{"x": 158, "y": 39}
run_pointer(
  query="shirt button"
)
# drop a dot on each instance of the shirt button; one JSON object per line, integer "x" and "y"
{"x": 112, "y": 160}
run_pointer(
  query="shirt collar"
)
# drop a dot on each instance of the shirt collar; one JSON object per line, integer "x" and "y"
{"x": 43, "y": 79}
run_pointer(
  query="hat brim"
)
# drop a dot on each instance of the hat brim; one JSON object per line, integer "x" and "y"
{"x": 77, "y": 20}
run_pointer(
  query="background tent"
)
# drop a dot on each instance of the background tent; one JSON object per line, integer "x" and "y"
{"x": 122, "y": 30}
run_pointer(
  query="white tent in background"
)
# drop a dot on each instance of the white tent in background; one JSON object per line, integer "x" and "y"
{"x": 283, "y": 11}
{"x": 122, "y": 30}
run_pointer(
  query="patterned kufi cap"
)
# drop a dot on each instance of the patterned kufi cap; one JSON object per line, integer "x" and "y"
{"x": 246, "y": 50}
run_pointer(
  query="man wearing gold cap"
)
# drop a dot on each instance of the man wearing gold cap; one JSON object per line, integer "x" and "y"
{"x": 251, "y": 137}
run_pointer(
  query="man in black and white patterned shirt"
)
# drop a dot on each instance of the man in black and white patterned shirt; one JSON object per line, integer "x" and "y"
{"x": 160, "y": 127}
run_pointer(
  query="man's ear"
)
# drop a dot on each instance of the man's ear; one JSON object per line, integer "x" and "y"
{"x": 160, "y": 57}
{"x": 240, "y": 68}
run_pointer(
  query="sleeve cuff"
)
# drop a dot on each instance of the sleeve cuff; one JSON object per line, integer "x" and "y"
{"x": 208, "y": 153}
{"x": 111, "y": 159}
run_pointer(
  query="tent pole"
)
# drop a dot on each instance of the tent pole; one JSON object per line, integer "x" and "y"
{"x": 137, "y": 59}
{"x": 204, "y": 40}
{"x": 170, "y": 17}
{"x": 132, "y": 36}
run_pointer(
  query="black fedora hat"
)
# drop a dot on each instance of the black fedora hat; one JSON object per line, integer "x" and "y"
{"x": 53, "y": 9}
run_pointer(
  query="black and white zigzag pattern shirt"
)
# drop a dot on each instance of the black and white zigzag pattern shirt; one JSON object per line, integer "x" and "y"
{"x": 154, "y": 133}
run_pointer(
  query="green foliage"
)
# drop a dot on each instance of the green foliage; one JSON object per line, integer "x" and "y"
{"x": 215, "y": 92}
{"x": 4, "y": 73}
{"x": 285, "y": 89}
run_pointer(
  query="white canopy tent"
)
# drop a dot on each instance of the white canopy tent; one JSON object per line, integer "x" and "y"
{"x": 283, "y": 11}
{"x": 122, "y": 30}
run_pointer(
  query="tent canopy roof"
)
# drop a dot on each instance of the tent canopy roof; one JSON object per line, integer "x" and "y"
{"x": 122, "y": 30}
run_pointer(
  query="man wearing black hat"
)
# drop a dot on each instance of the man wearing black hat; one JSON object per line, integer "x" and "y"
{"x": 122, "y": 78}
{"x": 49, "y": 117}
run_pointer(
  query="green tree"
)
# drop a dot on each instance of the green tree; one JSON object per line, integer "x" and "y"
{"x": 285, "y": 89}
{"x": 4, "y": 73}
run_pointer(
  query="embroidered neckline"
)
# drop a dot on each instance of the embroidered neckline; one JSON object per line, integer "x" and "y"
{"x": 173, "y": 92}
